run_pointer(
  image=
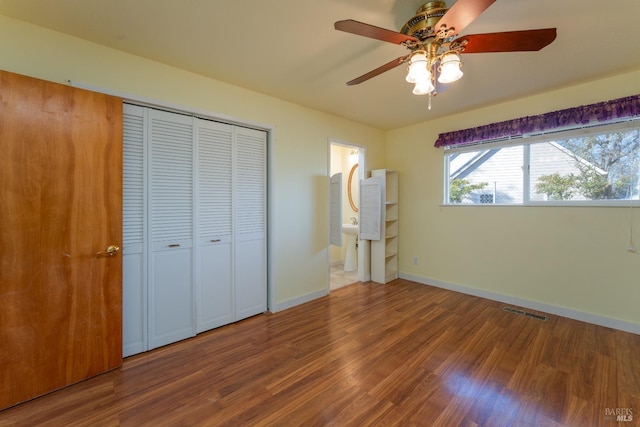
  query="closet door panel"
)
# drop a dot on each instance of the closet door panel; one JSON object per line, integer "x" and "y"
{"x": 133, "y": 226}
{"x": 171, "y": 176}
{"x": 171, "y": 294}
{"x": 215, "y": 301}
{"x": 250, "y": 232}
{"x": 214, "y": 281}
{"x": 172, "y": 301}
{"x": 251, "y": 279}
{"x": 133, "y": 303}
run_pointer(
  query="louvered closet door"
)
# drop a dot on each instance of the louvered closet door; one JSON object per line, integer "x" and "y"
{"x": 250, "y": 217}
{"x": 133, "y": 262}
{"x": 171, "y": 302}
{"x": 214, "y": 225}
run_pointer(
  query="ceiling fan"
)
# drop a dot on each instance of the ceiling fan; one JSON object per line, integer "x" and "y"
{"x": 431, "y": 37}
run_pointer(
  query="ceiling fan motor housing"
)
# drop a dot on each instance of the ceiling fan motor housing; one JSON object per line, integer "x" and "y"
{"x": 421, "y": 26}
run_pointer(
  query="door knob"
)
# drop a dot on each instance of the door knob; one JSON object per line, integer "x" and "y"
{"x": 110, "y": 251}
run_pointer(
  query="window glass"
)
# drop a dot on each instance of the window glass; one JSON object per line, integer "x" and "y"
{"x": 490, "y": 176}
{"x": 596, "y": 168}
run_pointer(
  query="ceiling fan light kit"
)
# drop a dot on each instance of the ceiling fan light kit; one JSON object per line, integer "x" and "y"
{"x": 431, "y": 37}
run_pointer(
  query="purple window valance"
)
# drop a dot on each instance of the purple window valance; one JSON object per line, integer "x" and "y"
{"x": 601, "y": 112}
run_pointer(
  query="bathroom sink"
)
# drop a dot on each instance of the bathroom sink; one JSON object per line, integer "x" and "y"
{"x": 350, "y": 229}
{"x": 350, "y": 255}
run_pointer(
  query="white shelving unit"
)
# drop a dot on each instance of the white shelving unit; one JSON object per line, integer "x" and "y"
{"x": 384, "y": 252}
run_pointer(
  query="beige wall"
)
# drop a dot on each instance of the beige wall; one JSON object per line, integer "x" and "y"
{"x": 569, "y": 257}
{"x": 300, "y": 165}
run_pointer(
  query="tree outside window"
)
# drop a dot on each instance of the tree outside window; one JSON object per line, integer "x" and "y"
{"x": 608, "y": 166}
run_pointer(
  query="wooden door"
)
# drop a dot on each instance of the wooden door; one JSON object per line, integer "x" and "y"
{"x": 60, "y": 205}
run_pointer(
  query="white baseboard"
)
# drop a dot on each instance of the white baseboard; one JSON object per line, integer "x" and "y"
{"x": 533, "y": 305}
{"x": 300, "y": 300}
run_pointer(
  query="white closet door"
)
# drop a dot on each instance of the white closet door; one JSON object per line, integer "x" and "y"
{"x": 194, "y": 255}
{"x": 250, "y": 220}
{"x": 171, "y": 307}
{"x": 214, "y": 225}
{"x": 134, "y": 291}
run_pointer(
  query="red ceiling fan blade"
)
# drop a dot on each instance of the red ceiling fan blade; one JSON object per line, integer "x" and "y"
{"x": 386, "y": 67}
{"x": 511, "y": 41}
{"x": 461, "y": 14}
{"x": 371, "y": 31}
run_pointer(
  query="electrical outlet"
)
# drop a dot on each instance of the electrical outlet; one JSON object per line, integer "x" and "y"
{"x": 415, "y": 260}
{"x": 631, "y": 249}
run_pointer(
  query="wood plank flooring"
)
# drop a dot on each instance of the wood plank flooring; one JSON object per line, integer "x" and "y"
{"x": 369, "y": 354}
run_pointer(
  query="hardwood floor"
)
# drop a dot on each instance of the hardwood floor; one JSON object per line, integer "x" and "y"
{"x": 398, "y": 354}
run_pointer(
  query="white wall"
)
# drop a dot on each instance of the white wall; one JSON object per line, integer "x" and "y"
{"x": 571, "y": 258}
{"x": 300, "y": 184}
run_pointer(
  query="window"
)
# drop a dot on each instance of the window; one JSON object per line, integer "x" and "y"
{"x": 599, "y": 165}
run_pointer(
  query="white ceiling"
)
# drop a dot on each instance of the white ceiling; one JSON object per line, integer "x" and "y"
{"x": 288, "y": 48}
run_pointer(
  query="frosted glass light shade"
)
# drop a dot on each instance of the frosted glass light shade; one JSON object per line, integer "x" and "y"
{"x": 450, "y": 68}
{"x": 418, "y": 68}
{"x": 423, "y": 87}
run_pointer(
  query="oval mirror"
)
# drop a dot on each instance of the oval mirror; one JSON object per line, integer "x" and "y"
{"x": 349, "y": 187}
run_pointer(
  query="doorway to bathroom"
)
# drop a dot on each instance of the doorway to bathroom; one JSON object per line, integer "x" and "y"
{"x": 347, "y": 261}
